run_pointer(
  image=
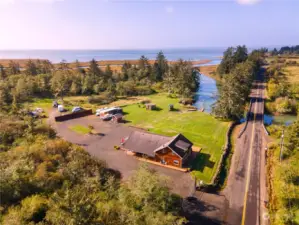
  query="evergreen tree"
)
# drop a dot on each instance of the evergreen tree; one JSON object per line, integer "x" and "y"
{"x": 143, "y": 63}
{"x": 125, "y": 70}
{"x": 108, "y": 72}
{"x": 78, "y": 67}
{"x": 162, "y": 66}
{"x": 94, "y": 70}
{"x": 2, "y": 72}
{"x": 31, "y": 68}
{"x": 13, "y": 67}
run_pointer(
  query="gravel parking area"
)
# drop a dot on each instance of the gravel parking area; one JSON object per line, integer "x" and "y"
{"x": 102, "y": 146}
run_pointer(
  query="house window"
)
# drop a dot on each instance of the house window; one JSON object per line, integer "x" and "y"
{"x": 176, "y": 162}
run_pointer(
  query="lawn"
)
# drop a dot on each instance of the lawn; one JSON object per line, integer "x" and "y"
{"x": 80, "y": 129}
{"x": 202, "y": 129}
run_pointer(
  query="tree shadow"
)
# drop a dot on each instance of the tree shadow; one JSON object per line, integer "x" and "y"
{"x": 174, "y": 110}
{"x": 193, "y": 209}
{"x": 201, "y": 161}
{"x": 157, "y": 108}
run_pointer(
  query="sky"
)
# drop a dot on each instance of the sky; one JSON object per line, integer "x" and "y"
{"x": 147, "y": 24}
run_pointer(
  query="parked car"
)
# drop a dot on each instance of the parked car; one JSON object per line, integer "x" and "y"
{"x": 77, "y": 109}
{"x": 60, "y": 108}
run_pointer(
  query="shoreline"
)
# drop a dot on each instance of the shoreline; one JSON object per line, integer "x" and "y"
{"x": 22, "y": 62}
{"x": 115, "y": 65}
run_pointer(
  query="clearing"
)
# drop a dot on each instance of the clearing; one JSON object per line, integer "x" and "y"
{"x": 201, "y": 128}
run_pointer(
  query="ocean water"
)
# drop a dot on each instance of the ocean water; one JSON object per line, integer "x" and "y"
{"x": 56, "y": 56}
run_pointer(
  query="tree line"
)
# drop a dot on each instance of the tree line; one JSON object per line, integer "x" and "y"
{"x": 285, "y": 50}
{"x": 237, "y": 70}
{"x": 42, "y": 79}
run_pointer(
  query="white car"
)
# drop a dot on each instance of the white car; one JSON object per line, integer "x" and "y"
{"x": 76, "y": 109}
{"x": 60, "y": 108}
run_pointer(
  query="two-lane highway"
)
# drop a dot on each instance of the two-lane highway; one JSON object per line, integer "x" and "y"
{"x": 245, "y": 188}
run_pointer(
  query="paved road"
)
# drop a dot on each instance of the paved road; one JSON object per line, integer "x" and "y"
{"x": 245, "y": 191}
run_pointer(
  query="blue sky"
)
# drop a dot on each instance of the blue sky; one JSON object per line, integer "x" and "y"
{"x": 144, "y": 24}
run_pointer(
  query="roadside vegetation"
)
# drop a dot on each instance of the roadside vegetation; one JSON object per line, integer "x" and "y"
{"x": 283, "y": 175}
{"x": 283, "y": 170}
{"x": 283, "y": 83}
{"x": 46, "y": 180}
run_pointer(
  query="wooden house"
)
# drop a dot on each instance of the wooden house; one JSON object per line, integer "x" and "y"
{"x": 174, "y": 151}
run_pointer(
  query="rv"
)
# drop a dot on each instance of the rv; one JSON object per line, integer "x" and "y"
{"x": 102, "y": 113}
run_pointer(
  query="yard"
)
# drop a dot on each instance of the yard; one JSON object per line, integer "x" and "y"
{"x": 201, "y": 128}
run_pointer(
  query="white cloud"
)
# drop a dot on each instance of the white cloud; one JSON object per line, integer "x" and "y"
{"x": 248, "y": 2}
{"x": 169, "y": 9}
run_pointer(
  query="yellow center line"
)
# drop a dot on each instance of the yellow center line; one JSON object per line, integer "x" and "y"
{"x": 249, "y": 166}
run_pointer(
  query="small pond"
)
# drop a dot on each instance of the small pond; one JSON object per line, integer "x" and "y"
{"x": 279, "y": 120}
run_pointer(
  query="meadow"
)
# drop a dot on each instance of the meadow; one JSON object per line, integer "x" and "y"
{"x": 201, "y": 128}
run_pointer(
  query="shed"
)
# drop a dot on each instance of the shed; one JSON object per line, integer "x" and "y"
{"x": 150, "y": 106}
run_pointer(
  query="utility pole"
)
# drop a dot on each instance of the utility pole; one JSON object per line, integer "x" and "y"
{"x": 281, "y": 145}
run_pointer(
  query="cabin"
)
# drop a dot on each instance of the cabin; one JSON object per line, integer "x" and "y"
{"x": 173, "y": 151}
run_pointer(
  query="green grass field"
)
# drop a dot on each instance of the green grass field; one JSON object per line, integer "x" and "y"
{"x": 80, "y": 129}
{"x": 202, "y": 129}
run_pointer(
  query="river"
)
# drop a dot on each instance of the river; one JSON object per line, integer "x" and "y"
{"x": 207, "y": 95}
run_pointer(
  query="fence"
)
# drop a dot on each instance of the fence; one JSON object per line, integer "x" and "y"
{"x": 70, "y": 116}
